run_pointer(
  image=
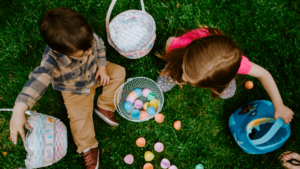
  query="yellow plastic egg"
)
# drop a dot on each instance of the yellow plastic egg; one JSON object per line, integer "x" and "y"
{"x": 141, "y": 142}
{"x": 159, "y": 118}
{"x": 146, "y": 105}
{"x": 154, "y": 103}
{"x": 149, "y": 156}
{"x": 177, "y": 125}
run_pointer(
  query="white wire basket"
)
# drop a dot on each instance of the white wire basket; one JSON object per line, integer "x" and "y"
{"x": 131, "y": 33}
{"x": 47, "y": 142}
{"x": 132, "y": 83}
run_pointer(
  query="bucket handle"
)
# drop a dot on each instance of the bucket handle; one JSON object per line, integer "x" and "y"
{"x": 27, "y": 112}
{"x": 273, "y": 130}
{"x": 111, "y": 6}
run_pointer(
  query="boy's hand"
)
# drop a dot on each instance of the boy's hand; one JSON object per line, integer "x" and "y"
{"x": 18, "y": 121}
{"x": 103, "y": 75}
{"x": 281, "y": 111}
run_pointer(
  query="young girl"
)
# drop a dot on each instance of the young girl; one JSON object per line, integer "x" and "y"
{"x": 206, "y": 58}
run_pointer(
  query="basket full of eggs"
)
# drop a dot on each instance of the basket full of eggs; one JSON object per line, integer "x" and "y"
{"x": 139, "y": 99}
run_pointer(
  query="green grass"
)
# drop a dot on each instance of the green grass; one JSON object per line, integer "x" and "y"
{"x": 267, "y": 31}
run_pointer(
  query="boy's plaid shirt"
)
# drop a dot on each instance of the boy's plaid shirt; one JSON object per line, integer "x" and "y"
{"x": 65, "y": 74}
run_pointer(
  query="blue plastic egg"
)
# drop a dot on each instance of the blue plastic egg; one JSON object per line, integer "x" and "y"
{"x": 135, "y": 114}
{"x": 151, "y": 110}
{"x": 138, "y": 92}
{"x": 128, "y": 107}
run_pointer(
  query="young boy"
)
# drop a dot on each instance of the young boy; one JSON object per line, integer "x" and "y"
{"x": 72, "y": 61}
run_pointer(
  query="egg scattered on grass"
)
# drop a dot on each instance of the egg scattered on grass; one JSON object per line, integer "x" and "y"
{"x": 159, "y": 118}
{"x": 149, "y": 156}
{"x": 128, "y": 159}
{"x": 158, "y": 147}
{"x": 165, "y": 163}
{"x": 249, "y": 85}
{"x": 148, "y": 166}
{"x": 177, "y": 125}
{"x": 141, "y": 142}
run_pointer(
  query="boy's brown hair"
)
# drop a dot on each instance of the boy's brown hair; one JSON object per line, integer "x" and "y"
{"x": 66, "y": 30}
{"x": 209, "y": 62}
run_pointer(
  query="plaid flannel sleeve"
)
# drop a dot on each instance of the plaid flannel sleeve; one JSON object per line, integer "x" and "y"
{"x": 101, "y": 50}
{"x": 39, "y": 79}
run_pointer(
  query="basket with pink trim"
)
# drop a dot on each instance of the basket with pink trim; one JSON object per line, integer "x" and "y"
{"x": 47, "y": 142}
{"x": 131, "y": 33}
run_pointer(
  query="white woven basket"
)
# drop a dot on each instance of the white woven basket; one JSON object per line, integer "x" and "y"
{"x": 131, "y": 33}
{"x": 47, "y": 142}
{"x": 128, "y": 86}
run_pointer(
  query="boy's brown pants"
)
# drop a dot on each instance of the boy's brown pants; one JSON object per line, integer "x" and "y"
{"x": 80, "y": 108}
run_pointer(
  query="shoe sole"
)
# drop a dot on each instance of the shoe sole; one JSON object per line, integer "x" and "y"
{"x": 106, "y": 119}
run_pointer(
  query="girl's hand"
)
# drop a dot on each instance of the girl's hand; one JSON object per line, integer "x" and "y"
{"x": 103, "y": 75}
{"x": 281, "y": 111}
{"x": 18, "y": 121}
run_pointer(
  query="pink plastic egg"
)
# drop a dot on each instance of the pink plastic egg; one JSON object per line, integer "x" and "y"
{"x": 165, "y": 163}
{"x": 172, "y": 167}
{"x": 130, "y": 99}
{"x": 146, "y": 91}
{"x": 158, "y": 147}
{"x": 138, "y": 104}
{"x": 128, "y": 159}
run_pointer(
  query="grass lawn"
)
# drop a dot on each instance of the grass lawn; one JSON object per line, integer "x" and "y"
{"x": 267, "y": 31}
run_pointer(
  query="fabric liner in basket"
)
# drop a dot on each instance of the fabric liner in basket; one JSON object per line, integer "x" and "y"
{"x": 128, "y": 86}
{"x": 131, "y": 33}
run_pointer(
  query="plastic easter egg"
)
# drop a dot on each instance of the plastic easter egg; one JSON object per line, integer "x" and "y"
{"x": 151, "y": 96}
{"x": 151, "y": 111}
{"x": 130, "y": 99}
{"x": 146, "y": 105}
{"x": 128, "y": 107}
{"x": 144, "y": 115}
{"x": 133, "y": 94}
{"x": 165, "y": 163}
{"x": 149, "y": 156}
{"x": 158, "y": 147}
{"x": 148, "y": 166}
{"x": 199, "y": 166}
{"x": 173, "y": 167}
{"x": 138, "y": 104}
{"x": 135, "y": 114}
{"x": 159, "y": 118}
{"x": 249, "y": 85}
{"x": 146, "y": 91}
{"x": 177, "y": 125}
{"x": 138, "y": 92}
{"x": 154, "y": 103}
{"x": 128, "y": 159}
{"x": 141, "y": 142}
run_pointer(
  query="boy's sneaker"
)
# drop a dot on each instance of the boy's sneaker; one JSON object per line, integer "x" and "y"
{"x": 91, "y": 158}
{"x": 163, "y": 83}
{"x": 107, "y": 116}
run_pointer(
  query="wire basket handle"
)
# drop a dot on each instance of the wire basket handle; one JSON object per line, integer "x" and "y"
{"x": 111, "y": 6}
{"x": 27, "y": 112}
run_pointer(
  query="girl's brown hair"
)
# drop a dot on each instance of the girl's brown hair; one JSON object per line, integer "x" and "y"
{"x": 209, "y": 62}
{"x": 66, "y": 30}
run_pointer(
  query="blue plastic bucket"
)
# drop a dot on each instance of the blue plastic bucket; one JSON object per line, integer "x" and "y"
{"x": 255, "y": 130}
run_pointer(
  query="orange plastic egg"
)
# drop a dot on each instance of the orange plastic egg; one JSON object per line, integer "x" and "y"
{"x": 144, "y": 115}
{"x": 249, "y": 85}
{"x": 141, "y": 142}
{"x": 159, "y": 118}
{"x": 177, "y": 125}
{"x": 148, "y": 166}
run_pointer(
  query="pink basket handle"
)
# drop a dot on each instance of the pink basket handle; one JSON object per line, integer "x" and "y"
{"x": 111, "y": 6}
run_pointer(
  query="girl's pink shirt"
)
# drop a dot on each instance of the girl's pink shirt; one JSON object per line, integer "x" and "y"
{"x": 187, "y": 38}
